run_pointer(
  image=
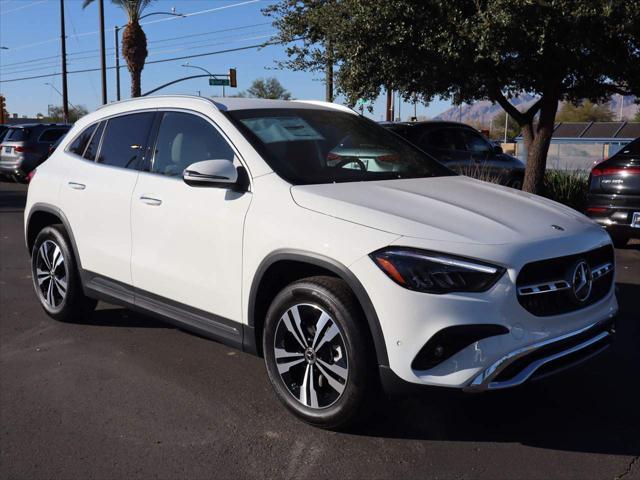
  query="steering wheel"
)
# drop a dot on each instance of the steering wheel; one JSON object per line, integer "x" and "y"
{"x": 347, "y": 161}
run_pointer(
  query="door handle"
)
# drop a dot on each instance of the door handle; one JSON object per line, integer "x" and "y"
{"x": 77, "y": 186}
{"x": 150, "y": 200}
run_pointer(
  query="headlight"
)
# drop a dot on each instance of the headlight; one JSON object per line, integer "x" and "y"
{"x": 434, "y": 272}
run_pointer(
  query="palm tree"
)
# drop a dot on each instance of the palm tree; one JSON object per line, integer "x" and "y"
{"x": 134, "y": 41}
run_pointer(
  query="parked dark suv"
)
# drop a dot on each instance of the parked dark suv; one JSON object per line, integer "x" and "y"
{"x": 614, "y": 194}
{"x": 25, "y": 146}
{"x": 463, "y": 149}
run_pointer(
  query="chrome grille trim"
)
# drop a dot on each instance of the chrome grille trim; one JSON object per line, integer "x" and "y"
{"x": 555, "y": 285}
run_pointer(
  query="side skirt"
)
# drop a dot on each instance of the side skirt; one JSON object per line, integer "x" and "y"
{"x": 203, "y": 323}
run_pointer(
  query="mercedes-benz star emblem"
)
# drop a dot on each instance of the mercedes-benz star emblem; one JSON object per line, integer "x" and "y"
{"x": 582, "y": 281}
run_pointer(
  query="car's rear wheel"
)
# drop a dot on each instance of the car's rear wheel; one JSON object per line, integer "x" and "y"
{"x": 55, "y": 276}
{"x": 316, "y": 352}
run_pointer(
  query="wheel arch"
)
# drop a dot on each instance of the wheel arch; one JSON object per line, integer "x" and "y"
{"x": 43, "y": 215}
{"x": 301, "y": 264}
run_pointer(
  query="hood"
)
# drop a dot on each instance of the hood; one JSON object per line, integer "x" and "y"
{"x": 455, "y": 209}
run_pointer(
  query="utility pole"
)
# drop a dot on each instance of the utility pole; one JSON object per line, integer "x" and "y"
{"x": 506, "y": 124}
{"x": 63, "y": 40}
{"x": 115, "y": 31}
{"x": 329, "y": 73}
{"x": 103, "y": 57}
{"x": 389, "y": 114}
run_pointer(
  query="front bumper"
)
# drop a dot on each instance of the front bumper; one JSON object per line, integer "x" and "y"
{"x": 545, "y": 358}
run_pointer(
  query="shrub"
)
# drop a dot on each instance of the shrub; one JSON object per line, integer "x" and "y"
{"x": 567, "y": 187}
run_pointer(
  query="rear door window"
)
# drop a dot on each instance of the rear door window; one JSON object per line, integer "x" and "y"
{"x": 445, "y": 139}
{"x": 124, "y": 139}
{"x": 80, "y": 143}
{"x": 475, "y": 142}
{"x": 51, "y": 135}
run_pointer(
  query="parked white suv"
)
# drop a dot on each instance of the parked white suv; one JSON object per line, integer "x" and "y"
{"x": 308, "y": 234}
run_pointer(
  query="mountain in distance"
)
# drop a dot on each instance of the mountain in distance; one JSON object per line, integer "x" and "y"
{"x": 482, "y": 112}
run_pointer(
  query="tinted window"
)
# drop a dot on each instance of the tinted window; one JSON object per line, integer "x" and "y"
{"x": 92, "y": 148}
{"x": 306, "y": 146}
{"x": 17, "y": 135}
{"x": 476, "y": 143}
{"x": 124, "y": 139}
{"x": 51, "y": 135}
{"x": 81, "y": 141}
{"x": 184, "y": 139}
{"x": 446, "y": 139}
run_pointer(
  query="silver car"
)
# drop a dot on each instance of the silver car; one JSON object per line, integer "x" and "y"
{"x": 25, "y": 146}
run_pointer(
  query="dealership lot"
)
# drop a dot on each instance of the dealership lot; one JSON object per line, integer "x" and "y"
{"x": 126, "y": 395}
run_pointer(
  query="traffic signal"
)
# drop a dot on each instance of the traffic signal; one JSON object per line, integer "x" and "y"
{"x": 233, "y": 82}
{"x": 2, "y": 106}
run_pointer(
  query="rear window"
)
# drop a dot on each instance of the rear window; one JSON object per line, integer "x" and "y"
{"x": 51, "y": 135}
{"x": 17, "y": 135}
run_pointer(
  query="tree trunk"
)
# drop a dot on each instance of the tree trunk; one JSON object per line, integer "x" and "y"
{"x": 134, "y": 51}
{"x": 537, "y": 138}
{"x": 136, "y": 76}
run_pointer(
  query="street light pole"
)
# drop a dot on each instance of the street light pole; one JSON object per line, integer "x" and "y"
{"x": 116, "y": 30}
{"x": 188, "y": 65}
{"x": 103, "y": 55}
{"x": 65, "y": 99}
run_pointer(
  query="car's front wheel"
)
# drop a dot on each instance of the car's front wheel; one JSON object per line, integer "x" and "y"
{"x": 55, "y": 276}
{"x": 317, "y": 352}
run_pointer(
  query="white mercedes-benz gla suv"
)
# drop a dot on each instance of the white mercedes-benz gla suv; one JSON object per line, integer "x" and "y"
{"x": 305, "y": 233}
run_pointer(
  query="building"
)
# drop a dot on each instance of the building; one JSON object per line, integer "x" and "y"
{"x": 578, "y": 145}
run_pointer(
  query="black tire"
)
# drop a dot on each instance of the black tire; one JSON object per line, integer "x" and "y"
{"x": 64, "y": 304}
{"x": 333, "y": 297}
{"x": 619, "y": 241}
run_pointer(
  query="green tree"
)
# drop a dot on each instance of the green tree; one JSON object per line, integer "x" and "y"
{"x": 267, "y": 88}
{"x": 470, "y": 50}
{"x": 55, "y": 113}
{"x": 636, "y": 118}
{"x": 308, "y": 43}
{"x": 134, "y": 41}
{"x": 585, "y": 111}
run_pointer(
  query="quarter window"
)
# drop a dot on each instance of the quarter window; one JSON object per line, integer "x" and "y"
{"x": 80, "y": 143}
{"x": 124, "y": 139}
{"x": 184, "y": 139}
{"x": 51, "y": 135}
{"x": 92, "y": 149}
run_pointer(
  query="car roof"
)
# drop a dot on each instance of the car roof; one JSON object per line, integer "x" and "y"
{"x": 427, "y": 123}
{"x": 234, "y": 103}
{"x": 32, "y": 125}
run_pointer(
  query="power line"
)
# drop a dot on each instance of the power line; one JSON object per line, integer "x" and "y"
{"x": 22, "y": 7}
{"x": 185, "y": 57}
{"x": 186, "y": 15}
{"x": 111, "y": 49}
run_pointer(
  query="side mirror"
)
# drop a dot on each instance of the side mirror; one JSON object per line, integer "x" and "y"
{"x": 211, "y": 173}
{"x": 497, "y": 150}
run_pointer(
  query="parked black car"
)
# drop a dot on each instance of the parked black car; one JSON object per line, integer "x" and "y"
{"x": 462, "y": 148}
{"x": 25, "y": 146}
{"x": 614, "y": 194}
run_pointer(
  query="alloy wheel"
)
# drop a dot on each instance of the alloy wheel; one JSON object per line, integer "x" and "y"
{"x": 311, "y": 356}
{"x": 51, "y": 274}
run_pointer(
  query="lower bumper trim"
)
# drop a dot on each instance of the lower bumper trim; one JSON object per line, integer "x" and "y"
{"x": 590, "y": 340}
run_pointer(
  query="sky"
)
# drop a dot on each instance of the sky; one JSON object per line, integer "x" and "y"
{"x": 30, "y": 46}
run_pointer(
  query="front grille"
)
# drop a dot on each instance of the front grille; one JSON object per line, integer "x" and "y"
{"x": 546, "y": 287}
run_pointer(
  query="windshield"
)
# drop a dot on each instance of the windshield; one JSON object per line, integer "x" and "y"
{"x": 309, "y": 146}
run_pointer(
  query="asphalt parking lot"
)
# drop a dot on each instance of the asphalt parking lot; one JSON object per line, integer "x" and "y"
{"x": 125, "y": 396}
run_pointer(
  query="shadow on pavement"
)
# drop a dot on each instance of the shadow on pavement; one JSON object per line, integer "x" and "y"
{"x": 592, "y": 408}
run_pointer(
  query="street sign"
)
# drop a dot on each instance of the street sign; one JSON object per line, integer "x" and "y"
{"x": 219, "y": 82}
